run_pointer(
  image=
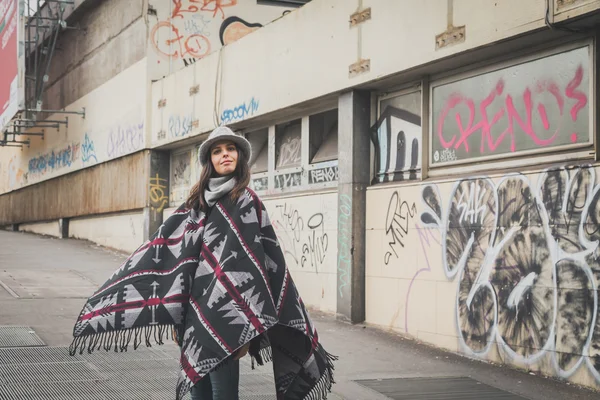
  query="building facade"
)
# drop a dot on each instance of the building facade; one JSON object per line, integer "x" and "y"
{"x": 429, "y": 167}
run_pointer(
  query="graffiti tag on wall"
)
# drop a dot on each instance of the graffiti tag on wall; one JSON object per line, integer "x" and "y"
{"x": 397, "y": 137}
{"x": 398, "y": 216}
{"x": 240, "y": 112}
{"x": 124, "y": 139}
{"x": 54, "y": 160}
{"x": 528, "y": 264}
{"x": 303, "y": 240}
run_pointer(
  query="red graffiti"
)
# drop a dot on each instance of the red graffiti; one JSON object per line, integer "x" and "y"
{"x": 213, "y": 6}
{"x": 167, "y": 41}
{"x": 510, "y": 113}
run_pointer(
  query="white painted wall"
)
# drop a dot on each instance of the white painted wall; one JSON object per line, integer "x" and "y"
{"x": 114, "y": 126}
{"x": 533, "y": 281}
{"x": 50, "y": 228}
{"x": 306, "y": 227}
{"x": 122, "y": 231}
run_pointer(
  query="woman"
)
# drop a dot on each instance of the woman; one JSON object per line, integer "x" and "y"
{"x": 215, "y": 274}
{"x": 225, "y": 171}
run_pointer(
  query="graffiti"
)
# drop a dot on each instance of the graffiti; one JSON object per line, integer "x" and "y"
{"x": 306, "y": 243}
{"x": 398, "y": 215}
{"x": 260, "y": 184}
{"x": 158, "y": 197}
{"x": 16, "y": 176}
{"x": 235, "y": 28}
{"x": 170, "y": 43}
{"x": 198, "y": 25}
{"x": 397, "y": 139}
{"x": 125, "y": 139}
{"x": 52, "y": 161}
{"x": 507, "y": 116}
{"x": 484, "y": 126}
{"x": 323, "y": 175}
{"x": 445, "y": 155}
{"x": 289, "y": 151}
{"x": 527, "y": 262}
{"x": 288, "y": 180}
{"x": 240, "y": 112}
{"x": 344, "y": 262}
{"x": 180, "y": 126}
{"x": 214, "y": 6}
{"x": 88, "y": 150}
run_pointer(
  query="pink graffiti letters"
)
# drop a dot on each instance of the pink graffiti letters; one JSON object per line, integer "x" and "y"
{"x": 480, "y": 119}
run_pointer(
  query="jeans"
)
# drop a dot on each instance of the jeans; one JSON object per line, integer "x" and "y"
{"x": 222, "y": 384}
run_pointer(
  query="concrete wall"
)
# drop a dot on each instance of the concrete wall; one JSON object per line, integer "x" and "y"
{"x": 290, "y": 69}
{"x": 114, "y": 126}
{"x": 120, "y": 185}
{"x": 501, "y": 267}
{"x": 112, "y": 39}
{"x": 306, "y": 226}
{"x": 49, "y": 228}
{"x": 121, "y": 231}
{"x": 182, "y": 32}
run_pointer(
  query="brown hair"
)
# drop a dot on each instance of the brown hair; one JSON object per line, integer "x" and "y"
{"x": 242, "y": 174}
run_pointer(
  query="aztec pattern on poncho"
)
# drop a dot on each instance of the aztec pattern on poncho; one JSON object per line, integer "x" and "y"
{"x": 220, "y": 281}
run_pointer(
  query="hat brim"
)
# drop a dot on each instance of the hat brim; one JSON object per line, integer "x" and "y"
{"x": 241, "y": 143}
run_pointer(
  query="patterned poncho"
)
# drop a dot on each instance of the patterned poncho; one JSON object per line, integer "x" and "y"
{"x": 219, "y": 281}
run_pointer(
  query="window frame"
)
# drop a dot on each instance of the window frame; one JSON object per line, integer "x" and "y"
{"x": 576, "y": 151}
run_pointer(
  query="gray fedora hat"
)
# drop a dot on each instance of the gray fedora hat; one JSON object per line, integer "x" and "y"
{"x": 219, "y": 134}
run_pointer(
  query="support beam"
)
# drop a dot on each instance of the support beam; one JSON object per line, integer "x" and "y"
{"x": 158, "y": 191}
{"x": 353, "y": 155}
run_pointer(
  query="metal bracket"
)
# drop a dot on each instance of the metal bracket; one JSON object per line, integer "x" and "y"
{"x": 360, "y": 16}
{"x": 359, "y": 67}
{"x": 453, "y": 35}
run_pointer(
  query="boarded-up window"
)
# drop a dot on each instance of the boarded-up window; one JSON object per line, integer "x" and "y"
{"x": 288, "y": 145}
{"x": 397, "y": 137}
{"x": 535, "y": 106}
{"x": 181, "y": 175}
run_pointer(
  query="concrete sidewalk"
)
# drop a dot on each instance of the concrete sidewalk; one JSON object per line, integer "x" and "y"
{"x": 45, "y": 281}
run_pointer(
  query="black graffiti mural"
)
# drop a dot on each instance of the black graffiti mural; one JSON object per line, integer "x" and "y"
{"x": 527, "y": 258}
{"x": 396, "y": 136}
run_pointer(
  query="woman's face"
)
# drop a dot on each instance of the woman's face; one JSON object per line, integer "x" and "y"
{"x": 224, "y": 156}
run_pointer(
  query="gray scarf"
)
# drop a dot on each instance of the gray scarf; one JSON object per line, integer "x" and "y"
{"x": 217, "y": 188}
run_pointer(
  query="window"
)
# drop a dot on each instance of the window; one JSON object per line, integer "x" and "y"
{"x": 288, "y": 144}
{"x": 260, "y": 150}
{"x": 323, "y": 131}
{"x": 532, "y": 106}
{"x": 397, "y": 137}
{"x": 181, "y": 175}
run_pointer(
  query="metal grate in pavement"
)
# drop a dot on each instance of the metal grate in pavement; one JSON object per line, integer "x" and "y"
{"x": 447, "y": 388}
{"x": 19, "y": 336}
{"x": 50, "y": 373}
{"x": 35, "y": 355}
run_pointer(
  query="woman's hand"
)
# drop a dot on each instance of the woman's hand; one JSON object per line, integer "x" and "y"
{"x": 242, "y": 352}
